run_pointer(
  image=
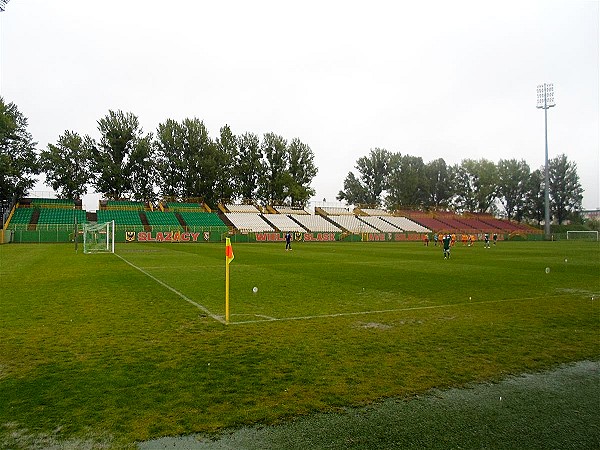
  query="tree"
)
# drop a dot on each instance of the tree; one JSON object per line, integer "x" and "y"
{"x": 66, "y": 164}
{"x": 226, "y": 156}
{"x": 170, "y": 164}
{"x": 438, "y": 181}
{"x": 535, "y": 198}
{"x": 475, "y": 185}
{"x": 566, "y": 193}
{"x": 142, "y": 169}
{"x": 301, "y": 172}
{"x": 248, "y": 166}
{"x": 407, "y": 185}
{"x": 110, "y": 159}
{"x": 18, "y": 159}
{"x": 373, "y": 172}
{"x": 513, "y": 177}
{"x": 273, "y": 183}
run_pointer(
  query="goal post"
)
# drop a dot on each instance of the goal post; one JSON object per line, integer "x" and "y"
{"x": 582, "y": 235}
{"x": 99, "y": 237}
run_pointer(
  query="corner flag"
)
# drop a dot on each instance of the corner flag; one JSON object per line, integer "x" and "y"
{"x": 228, "y": 259}
{"x": 228, "y": 250}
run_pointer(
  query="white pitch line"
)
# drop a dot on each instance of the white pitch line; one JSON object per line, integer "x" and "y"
{"x": 175, "y": 291}
{"x": 382, "y": 311}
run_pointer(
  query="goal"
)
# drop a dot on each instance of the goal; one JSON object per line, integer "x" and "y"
{"x": 99, "y": 237}
{"x": 582, "y": 235}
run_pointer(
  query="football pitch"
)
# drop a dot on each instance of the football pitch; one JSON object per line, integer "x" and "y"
{"x": 109, "y": 350}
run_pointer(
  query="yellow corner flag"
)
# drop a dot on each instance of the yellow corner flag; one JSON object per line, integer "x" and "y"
{"x": 228, "y": 259}
{"x": 228, "y": 250}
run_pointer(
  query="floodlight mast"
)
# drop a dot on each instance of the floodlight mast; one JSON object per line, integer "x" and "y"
{"x": 545, "y": 100}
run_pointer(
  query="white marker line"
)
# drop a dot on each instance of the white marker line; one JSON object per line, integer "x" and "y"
{"x": 383, "y": 311}
{"x": 175, "y": 291}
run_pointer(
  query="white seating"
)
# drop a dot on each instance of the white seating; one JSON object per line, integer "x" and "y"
{"x": 380, "y": 224}
{"x": 315, "y": 223}
{"x": 336, "y": 211}
{"x": 242, "y": 208}
{"x": 283, "y": 223}
{"x": 406, "y": 224}
{"x": 375, "y": 212}
{"x": 353, "y": 224}
{"x": 290, "y": 210}
{"x": 244, "y": 221}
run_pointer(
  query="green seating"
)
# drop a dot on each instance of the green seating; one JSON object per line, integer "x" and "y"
{"x": 121, "y": 217}
{"x": 204, "y": 220}
{"x": 51, "y": 216}
{"x": 21, "y": 216}
{"x": 160, "y": 218}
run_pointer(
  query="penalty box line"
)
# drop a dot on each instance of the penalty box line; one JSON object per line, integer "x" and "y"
{"x": 176, "y": 292}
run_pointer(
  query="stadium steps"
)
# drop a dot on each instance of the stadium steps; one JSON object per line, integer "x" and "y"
{"x": 269, "y": 222}
{"x": 35, "y": 217}
{"x": 291, "y": 217}
{"x": 144, "y": 219}
{"x": 181, "y": 221}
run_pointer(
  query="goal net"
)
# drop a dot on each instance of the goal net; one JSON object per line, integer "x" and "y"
{"x": 582, "y": 235}
{"x": 99, "y": 237}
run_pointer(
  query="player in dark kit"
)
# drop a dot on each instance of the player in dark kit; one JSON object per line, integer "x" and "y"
{"x": 486, "y": 239}
{"x": 447, "y": 239}
{"x": 288, "y": 241}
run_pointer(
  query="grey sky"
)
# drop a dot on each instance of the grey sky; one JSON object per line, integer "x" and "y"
{"x": 453, "y": 79}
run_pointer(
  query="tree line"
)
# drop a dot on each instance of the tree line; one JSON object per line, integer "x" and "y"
{"x": 179, "y": 161}
{"x": 182, "y": 161}
{"x": 398, "y": 181}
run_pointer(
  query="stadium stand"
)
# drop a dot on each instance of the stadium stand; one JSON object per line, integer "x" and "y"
{"x": 121, "y": 217}
{"x": 374, "y": 212}
{"x": 160, "y": 218}
{"x": 314, "y": 223}
{"x": 333, "y": 211}
{"x": 352, "y": 224}
{"x": 283, "y": 223}
{"x": 52, "y": 203}
{"x": 52, "y": 216}
{"x": 122, "y": 205}
{"x": 241, "y": 208}
{"x": 380, "y": 224}
{"x": 289, "y": 210}
{"x": 21, "y": 216}
{"x": 405, "y": 224}
{"x": 203, "y": 220}
{"x": 183, "y": 207}
{"x": 248, "y": 222}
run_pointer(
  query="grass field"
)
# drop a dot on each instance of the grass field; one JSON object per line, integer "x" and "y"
{"x": 109, "y": 350}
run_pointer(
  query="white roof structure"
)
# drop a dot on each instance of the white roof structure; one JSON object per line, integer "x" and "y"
{"x": 290, "y": 210}
{"x": 336, "y": 211}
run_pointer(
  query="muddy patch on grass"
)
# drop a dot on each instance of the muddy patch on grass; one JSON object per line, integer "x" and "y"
{"x": 18, "y": 437}
{"x": 552, "y": 409}
{"x": 373, "y": 325}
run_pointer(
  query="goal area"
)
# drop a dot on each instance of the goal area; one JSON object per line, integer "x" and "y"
{"x": 582, "y": 235}
{"x": 99, "y": 237}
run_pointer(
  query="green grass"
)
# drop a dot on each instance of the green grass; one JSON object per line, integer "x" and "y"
{"x": 94, "y": 351}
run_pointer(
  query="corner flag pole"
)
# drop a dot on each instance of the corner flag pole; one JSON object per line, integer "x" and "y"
{"x": 228, "y": 259}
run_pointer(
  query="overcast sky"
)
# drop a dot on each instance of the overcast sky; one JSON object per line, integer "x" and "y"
{"x": 436, "y": 79}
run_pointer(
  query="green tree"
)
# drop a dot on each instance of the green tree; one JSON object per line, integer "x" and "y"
{"x": 142, "y": 169}
{"x": 249, "y": 166}
{"x": 170, "y": 163}
{"x": 438, "y": 181}
{"x": 566, "y": 193}
{"x": 535, "y": 198}
{"x": 66, "y": 164}
{"x": 407, "y": 182}
{"x": 273, "y": 182}
{"x": 373, "y": 170}
{"x": 476, "y": 185}
{"x": 226, "y": 156}
{"x": 301, "y": 172}
{"x": 110, "y": 159}
{"x": 18, "y": 159}
{"x": 513, "y": 178}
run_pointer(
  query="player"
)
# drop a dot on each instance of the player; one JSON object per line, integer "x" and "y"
{"x": 495, "y": 238}
{"x": 486, "y": 239}
{"x": 446, "y": 244}
{"x": 288, "y": 241}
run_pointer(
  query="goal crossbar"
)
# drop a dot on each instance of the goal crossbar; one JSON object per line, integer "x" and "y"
{"x": 579, "y": 235}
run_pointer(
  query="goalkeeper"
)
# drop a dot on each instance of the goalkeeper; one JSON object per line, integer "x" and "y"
{"x": 447, "y": 239}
